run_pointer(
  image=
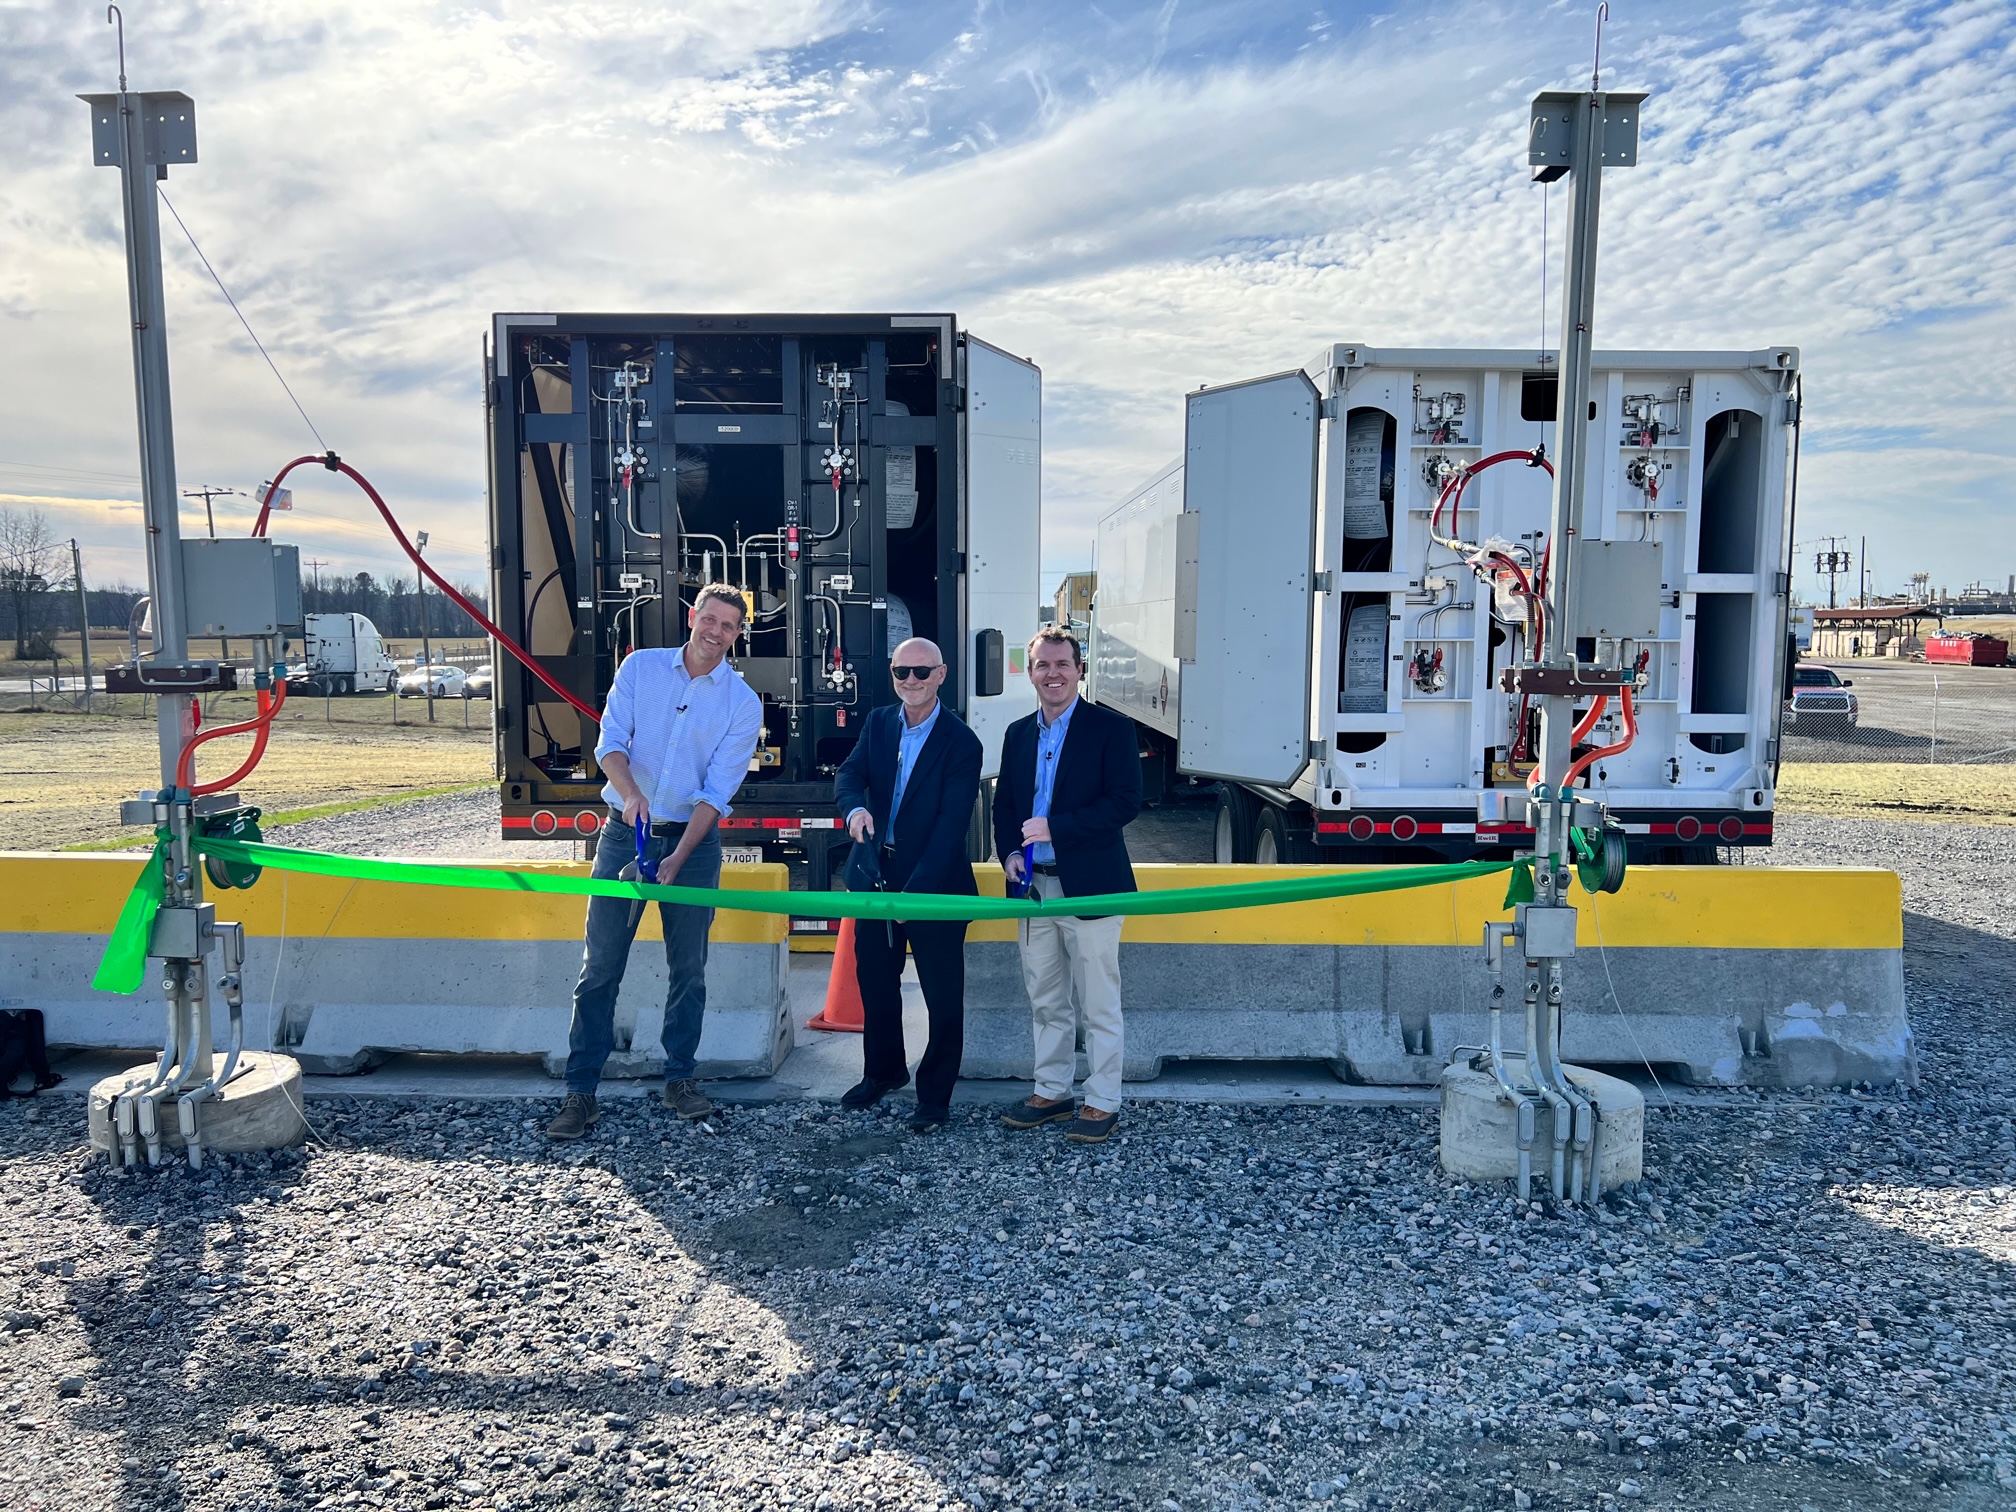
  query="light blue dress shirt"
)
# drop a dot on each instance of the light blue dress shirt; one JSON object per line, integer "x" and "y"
{"x": 689, "y": 739}
{"x": 1049, "y": 751}
{"x": 907, "y": 749}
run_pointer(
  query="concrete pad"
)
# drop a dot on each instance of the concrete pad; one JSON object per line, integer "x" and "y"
{"x": 260, "y": 1109}
{"x": 1480, "y": 1129}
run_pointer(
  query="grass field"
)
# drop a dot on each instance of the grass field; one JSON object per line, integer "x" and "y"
{"x": 1971, "y": 794}
{"x": 62, "y": 776}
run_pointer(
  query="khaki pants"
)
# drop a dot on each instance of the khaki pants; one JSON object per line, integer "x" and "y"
{"x": 1071, "y": 971}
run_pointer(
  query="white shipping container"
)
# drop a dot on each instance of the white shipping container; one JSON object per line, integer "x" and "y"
{"x": 1339, "y": 672}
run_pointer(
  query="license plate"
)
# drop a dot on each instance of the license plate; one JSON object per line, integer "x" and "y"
{"x": 741, "y": 855}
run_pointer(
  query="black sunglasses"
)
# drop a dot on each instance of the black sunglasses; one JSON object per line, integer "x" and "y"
{"x": 920, "y": 673}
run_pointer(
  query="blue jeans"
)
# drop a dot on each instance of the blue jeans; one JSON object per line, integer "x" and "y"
{"x": 612, "y": 925}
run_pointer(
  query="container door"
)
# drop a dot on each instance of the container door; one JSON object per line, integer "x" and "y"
{"x": 1004, "y": 503}
{"x": 1249, "y": 480}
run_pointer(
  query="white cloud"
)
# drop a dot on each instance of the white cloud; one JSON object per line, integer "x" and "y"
{"x": 375, "y": 183}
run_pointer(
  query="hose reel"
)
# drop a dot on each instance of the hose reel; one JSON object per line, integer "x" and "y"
{"x": 1599, "y": 857}
{"x": 242, "y": 826}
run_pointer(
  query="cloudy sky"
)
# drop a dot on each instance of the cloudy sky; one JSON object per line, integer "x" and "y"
{"x": 1140, "y": 196}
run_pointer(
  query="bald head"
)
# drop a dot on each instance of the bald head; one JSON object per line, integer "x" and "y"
{"x": 918, "y": 670}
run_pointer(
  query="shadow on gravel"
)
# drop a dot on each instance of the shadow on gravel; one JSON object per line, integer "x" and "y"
{"x": 1953, "y": 958}
{"x": 211, "y": 1378}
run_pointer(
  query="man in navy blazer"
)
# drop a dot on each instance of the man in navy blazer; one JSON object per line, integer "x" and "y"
{"x": 1070, "y": 784}
{"x": 908, "y": 788}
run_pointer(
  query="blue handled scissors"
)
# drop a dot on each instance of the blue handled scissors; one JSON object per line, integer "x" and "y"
{"x": 646, "y": 867}
{"x": 1021, "y": 889}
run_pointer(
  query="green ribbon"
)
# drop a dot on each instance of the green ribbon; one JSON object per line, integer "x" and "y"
{"x": 125, "y": 959}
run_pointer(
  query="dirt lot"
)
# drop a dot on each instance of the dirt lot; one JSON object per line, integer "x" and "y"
{"x": 62, "y": 776}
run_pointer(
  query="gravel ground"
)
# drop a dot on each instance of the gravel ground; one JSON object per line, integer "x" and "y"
{"x": 1806, "y": 1304}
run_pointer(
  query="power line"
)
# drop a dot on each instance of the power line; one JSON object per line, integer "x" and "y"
{"x": 242, "y": 320}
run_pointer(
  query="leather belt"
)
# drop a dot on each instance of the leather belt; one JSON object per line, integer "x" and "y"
{"x": 1043, "y": 869}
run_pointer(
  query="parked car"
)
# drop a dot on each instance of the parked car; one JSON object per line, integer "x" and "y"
{"x": 1820, "y": 702}
{"x": 477, "y": 684}
{"x": 438, "y": 678}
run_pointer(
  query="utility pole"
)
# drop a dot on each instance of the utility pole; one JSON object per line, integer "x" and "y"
{"x": 1831, "y": 560}
{"x": 83, "y": 617}
{"x": 206, "y": 494}
{"x": 315, "y": 567}
{"x": 1865, "y": 572}
{"x": 426, "y": 641}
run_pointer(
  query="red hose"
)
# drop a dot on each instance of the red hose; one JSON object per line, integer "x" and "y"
{"x": 262, "y": 724}
{"x": 337, "y": 464}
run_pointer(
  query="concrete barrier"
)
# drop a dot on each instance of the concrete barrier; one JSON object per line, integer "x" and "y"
{"x": 1755, "y": 976}
{"x": 1761, "y": 976}
{"x": 342, "y": 974}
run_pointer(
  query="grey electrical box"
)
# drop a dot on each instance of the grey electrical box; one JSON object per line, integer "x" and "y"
{"x": 242, "y": 586}
{"x": 1618, "y": 589}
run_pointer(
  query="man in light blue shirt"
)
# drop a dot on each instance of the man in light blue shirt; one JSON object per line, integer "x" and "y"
{"x": 678, "y": 729}
{"x": 1049, "y": 749}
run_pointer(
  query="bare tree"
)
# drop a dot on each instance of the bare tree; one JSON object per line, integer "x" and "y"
{"x": 30, "y": 558}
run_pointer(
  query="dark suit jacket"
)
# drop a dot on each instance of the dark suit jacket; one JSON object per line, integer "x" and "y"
{"x": 1096, "y": 793}
{"x": 937, "y": 802}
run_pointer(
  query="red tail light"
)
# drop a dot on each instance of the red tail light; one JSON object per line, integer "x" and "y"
{"x": 587, "y": 822}
{"x": 1361, "y": 827}
{"x": 1688, "y": 828}
{"x": 1730, "y": 829}
{"x": 544, "y": 823}
{"x": 1404, "y": 828}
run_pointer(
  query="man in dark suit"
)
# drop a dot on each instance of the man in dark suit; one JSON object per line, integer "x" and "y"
{"x": 1070, "y": 784}
{"x": 908, "y": 788}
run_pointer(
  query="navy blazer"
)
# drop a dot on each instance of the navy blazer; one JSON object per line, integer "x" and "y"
{"x": 937, "y": 802}
{"x": 1096, "y": 795}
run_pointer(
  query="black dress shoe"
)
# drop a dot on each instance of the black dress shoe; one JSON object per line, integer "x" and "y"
{"x": 867, "y": 1092}
{"x": 929, "y": 1120}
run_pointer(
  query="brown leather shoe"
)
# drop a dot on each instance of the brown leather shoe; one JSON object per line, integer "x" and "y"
{"x": 1088, "y": 1129}
{"x": 686, "y": 1099}
{"x": 1038, "y": 1111}
{"x": 577, "y": 1114}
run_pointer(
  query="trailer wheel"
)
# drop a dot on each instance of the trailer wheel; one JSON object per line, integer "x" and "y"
{"x": 1232, "y": 830}
{"x": 1272, "y": 844}
{"x": 345, "y": 687}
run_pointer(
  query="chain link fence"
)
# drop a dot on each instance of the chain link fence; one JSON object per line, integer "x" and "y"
{"x": 57, "y": 687}
{"x": 1902, "y": 711}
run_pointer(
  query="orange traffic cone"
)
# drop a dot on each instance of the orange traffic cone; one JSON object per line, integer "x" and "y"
{"x": 842, "y": 1012}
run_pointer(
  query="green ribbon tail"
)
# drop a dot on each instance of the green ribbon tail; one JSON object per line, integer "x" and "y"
{"x": 1519, "y": 886}
{"x": 124, "y": 963}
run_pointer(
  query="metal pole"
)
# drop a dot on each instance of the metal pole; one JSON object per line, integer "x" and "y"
{"x": 426, "y": 641}
{"x": 83, "y": 618}
{"x": 175, "y": 722}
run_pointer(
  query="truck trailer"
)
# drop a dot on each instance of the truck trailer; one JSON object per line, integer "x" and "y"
{"x": 1276, "y": 615}
{"x": 860, "y": 478}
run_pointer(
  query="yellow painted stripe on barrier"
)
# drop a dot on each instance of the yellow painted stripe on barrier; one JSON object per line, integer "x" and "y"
{"x": 66, "y": 894}
{"x": 1668, "y": 907}
{"x": 1671, "y": 907}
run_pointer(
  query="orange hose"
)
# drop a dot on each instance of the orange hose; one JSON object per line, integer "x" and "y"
{"x": 261, "y": 724}
{"x": 1591, "y": 757}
